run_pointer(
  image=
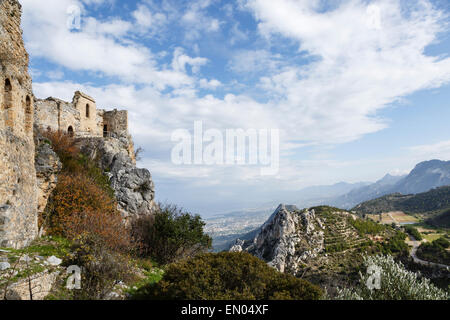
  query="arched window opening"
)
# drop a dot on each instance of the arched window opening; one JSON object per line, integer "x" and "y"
{"x": 8, "y": 86}
{"x": 105, "y": 131}
{"x": 28, "y": 114}
{"x": 7, "y": 103}
{"x": 87, "y": 111}
{"x": 70, "y": 131}
{"x": 7, "y": 95}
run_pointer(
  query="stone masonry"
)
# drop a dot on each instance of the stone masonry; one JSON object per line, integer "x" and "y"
{"x": 80, "y": 117}
{"x": 18, "y": 198}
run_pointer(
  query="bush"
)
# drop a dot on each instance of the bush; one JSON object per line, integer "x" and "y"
{"x": 396, "y": 283}
{"x": 170, "y": 234}
{"x": 435, "y": 251}
{"x": 227, "y": 276}
{"x": 102, "y": 268}
{"x": 413, "y": 232}
{"x": 62, "y": 143}
{"x": 78, "y": 205}
{"x": 395, "y": 245}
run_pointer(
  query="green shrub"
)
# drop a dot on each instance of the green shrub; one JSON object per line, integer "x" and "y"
{"x": 435, "y": 251}
{"x": 227, "y": 276}
{"x": 102, "y": 268}
{"x": 413, "y": 232}
{"x": 170, "y": 234}
{"x": 395, "y": 245}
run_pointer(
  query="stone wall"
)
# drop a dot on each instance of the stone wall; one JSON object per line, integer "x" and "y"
{"x": 116, "y": 121}
{"x": 56, "y": 114}
{"x": 18, "y": 198}
{"x": 87, "y": 109}
{"x": 81, "y": 116}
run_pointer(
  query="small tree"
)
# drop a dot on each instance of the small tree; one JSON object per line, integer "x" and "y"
{"x": 171, "y": 234}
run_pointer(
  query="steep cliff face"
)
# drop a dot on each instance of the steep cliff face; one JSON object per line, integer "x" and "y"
{"x": 134, "y": 187}
{"x": 47, "y": 166}
{"x": 288, "y": 239}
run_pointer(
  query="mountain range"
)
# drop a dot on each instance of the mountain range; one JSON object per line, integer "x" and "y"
{"x": 425, "y": 176}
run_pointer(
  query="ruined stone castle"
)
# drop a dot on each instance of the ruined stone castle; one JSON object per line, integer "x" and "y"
{"x": 80, "y": 117}
{"x": 28, "y": 169}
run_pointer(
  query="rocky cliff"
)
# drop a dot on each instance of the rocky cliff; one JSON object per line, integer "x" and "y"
{"x": 319, "y": 244}
{"x": 289, "y": 238}
{"x": 134, "y": 188}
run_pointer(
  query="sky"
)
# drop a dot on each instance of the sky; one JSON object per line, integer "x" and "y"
{"x": 355, "y": 88}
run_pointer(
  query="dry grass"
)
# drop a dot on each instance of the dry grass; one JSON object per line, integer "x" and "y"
{"x": 390, "y": 217}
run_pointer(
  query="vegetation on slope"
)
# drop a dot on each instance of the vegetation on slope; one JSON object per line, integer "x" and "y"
{"x": 435, "y": 200}
{"x": 413, "y": 232}
{"x": 227, "y": 276}
{"x": 440, "y": 220}
{"x": 170, "y": 235}
{"x": 435, "y": 251}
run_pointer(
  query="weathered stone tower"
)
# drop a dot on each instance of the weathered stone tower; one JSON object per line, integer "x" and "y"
{"x": 18, "y": 197}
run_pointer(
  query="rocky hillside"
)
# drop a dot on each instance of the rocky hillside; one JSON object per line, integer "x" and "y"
{"x": 425, "y": 176}
{"x": 435, "y": 200}
{"x": 321, "y": 244}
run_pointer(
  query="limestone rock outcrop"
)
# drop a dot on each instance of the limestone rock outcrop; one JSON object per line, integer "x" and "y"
{"x": 288, "y": 239}
{"x": 47, "y": 166}
{"x": 134, "y": 188}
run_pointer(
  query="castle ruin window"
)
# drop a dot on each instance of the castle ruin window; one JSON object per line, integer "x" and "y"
{"x": 70, "y": 131}
{"x": 28, "y": 114}
{"x": 7, "y": 103}
{"x": 105, "y": 130}
{"x": 87, "y": 110}
{"x": 7, "y": 98}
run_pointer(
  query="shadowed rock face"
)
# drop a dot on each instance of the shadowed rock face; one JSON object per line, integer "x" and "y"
{"x": 134, "y": 188}
{"x": 47, "y": 166}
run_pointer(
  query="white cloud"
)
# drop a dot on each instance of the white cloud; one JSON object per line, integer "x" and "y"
{"x": 149, "y": 22}
{"x": 439, "y": 150}
{"x": 209, "y": 84}
{"x": 358, "y": 69}
{"x": 237, "y": 35}
{"x": 196, "y": 21}
{"x": 180, "y": 60}
{"x": 251, "y": 61}
{"x": 97, "y": 47}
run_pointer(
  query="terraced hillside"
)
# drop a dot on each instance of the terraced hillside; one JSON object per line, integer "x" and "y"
{"x": 321, "y": 244}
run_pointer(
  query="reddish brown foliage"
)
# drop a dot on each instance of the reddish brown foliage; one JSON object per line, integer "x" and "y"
{"x": 62, "y": 143}
{"x": 79, "y": 206}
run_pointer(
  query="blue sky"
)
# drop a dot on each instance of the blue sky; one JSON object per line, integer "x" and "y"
{"x": 357, "y": 88}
